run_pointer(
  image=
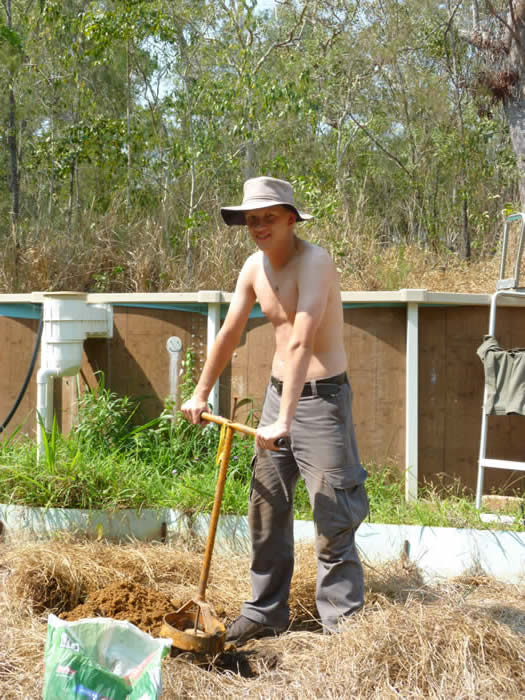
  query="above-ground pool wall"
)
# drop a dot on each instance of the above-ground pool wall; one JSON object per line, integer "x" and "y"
{"x": 246, "y": 376}
{"x": 375, "y": 345}
{"x": 135, "y": 362}
{"x": 451, "y": 383}
{"x": 17, "y": 340}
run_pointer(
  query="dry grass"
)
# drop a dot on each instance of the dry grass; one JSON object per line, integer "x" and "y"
{"x": 462, "y": 640}
{"x": 109, "y": 255}
{"x": 367, "y": 266}
{"x": 112, "y": 257}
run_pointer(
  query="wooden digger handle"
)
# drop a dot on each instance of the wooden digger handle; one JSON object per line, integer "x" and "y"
{"x": 219, "y": 491}
{"x": 211, "y": 418}
{"x": 224, "y": 421}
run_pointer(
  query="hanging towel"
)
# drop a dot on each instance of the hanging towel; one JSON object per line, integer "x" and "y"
{"x": 504, "y": 377}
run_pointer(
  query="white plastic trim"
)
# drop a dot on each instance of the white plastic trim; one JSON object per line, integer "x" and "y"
{"x": 439, "y": 552}
{"x": 214, "y": 324}
{"x": 411, "y": 398}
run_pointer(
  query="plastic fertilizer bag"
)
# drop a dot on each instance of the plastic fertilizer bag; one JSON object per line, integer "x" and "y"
{"x": 101, "y": 659}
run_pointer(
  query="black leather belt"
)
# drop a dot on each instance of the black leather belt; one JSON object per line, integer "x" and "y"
{"x": 323, "y": 387}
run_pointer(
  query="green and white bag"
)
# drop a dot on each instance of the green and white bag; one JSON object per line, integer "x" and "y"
{"x": 102, "y": 659}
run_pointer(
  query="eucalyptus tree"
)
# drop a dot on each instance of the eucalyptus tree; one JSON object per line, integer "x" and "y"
{"x": 401, "y": 131}
{"x": 370, "y": 83}
{"x": 58, "y": 103}
{"x": 227, "y": 90}
{"x": 113, "y": 37}
{"x": 16, "y": 27}
{"x": 497, "y": 31}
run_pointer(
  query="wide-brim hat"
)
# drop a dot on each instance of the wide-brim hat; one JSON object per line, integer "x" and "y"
{"x": 260, "y": 192}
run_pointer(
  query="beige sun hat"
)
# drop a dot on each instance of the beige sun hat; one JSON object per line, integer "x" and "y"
{"x": 262, "y": 192}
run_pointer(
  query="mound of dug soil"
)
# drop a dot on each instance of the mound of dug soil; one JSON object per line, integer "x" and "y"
{"x": 125, "y": 600}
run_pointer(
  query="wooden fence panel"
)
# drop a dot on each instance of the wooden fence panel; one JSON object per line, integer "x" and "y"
{"x": 18, "y": 337}
{"x": 451, "y": 383}
{"x": 375, "y": 343}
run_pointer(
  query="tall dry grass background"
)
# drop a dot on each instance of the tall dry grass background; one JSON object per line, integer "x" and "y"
{"x": 110, "y": 254}
{"x": 461, "y": 639}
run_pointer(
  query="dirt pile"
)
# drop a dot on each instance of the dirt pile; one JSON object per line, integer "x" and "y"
{"x": 126, "y": 600}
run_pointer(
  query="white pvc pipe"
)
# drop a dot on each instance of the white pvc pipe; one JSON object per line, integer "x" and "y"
{"x": 214, "y": 324}
{"x": 174, "y": 348}
{"x": 411, "y": 408}
{"x": 68, "y": 320}
{"x": 44, "y": 404}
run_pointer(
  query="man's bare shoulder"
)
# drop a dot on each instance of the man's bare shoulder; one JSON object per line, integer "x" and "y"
{"x": 251, "y": 265}
{"x": 253, "y": 260}
{"x": 313, "y": 254}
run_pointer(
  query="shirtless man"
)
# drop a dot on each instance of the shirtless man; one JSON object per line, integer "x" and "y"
{"x": 308, "y": 402}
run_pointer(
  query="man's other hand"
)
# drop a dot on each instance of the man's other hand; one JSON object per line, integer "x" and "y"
{"x": 193, "y": 408}
{"x": 265, "y": 437}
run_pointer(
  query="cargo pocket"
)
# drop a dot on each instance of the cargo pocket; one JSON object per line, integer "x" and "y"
{"x": 358, "y": 505}
{"x": 338, "y": 506}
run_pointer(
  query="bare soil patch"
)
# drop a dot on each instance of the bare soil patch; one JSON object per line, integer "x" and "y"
{"x": 126, "y": 600}
{"x": 464, "y": 639}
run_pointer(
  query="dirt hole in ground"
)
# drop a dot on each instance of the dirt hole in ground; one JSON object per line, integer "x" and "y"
{"x": 246, "y": 663}
{"x": 146, "y": 608}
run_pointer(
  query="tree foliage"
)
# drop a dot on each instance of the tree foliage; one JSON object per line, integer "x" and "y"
{"x": 153, "y": 112}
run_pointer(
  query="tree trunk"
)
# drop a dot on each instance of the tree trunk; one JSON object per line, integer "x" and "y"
{"x": 515, "y": 112}
{"x": 14, "y": 175}
{"x": 128, "y": 128}
{"x": 71, "y": 195}
{"x": 249, "y": 160}
{"x": 505, "y": 54}
{"x": 458, "y": 99}
{"x": 466, "y": 229}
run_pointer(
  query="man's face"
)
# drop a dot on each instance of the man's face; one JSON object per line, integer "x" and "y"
{"x": 270, "y": 226}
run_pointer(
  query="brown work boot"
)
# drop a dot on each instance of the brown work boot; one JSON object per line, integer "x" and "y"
{"x": 243, "y": 629}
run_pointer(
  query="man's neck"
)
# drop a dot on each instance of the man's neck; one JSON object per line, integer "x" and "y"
{"x": 281, "y": 257}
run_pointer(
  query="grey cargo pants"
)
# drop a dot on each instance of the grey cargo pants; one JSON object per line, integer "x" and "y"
{"x": 323, "y": 451}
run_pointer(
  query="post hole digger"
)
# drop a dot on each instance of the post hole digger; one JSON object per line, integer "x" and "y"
{"x": 195, "y": 627}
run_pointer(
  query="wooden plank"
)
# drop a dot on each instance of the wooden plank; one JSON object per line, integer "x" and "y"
{"x": 375, "y": 346}
{"x": 16, "y": 349}
{"x": 432, "y": 391}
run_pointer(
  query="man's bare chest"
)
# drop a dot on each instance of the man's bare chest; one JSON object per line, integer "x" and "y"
{"x": 277, "y": 297}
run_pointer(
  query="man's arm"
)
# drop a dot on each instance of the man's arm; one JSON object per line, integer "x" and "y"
{"x": 314, "y": 284}
{"x": 227, "y": 340}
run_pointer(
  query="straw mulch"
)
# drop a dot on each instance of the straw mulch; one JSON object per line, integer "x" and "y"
{"x": 464, "y": 639}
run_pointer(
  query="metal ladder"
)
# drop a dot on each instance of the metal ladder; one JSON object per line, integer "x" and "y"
{"x": 505, "y": 287}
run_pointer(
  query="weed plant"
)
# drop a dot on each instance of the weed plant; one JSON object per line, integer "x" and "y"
{"x": 106, "y": 462}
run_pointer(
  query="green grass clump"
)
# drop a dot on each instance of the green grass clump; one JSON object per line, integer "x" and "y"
{"x": 107, "y": 462}
{"x": 437, "y": 505}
